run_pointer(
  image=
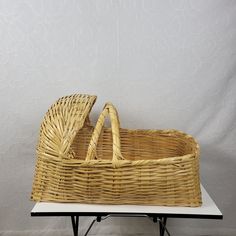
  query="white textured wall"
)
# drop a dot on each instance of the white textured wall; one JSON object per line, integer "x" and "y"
{"x": 165, "y": 64}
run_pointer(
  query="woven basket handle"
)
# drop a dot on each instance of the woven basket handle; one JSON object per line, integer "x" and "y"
{"x": 110, "y": 110}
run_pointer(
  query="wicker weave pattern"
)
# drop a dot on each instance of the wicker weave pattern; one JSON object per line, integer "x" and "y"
{"x": 79, "y": 163}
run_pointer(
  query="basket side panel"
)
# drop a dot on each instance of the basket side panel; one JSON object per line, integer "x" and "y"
{"x": 156, "y": 184}
{"x": 151, "y": 184}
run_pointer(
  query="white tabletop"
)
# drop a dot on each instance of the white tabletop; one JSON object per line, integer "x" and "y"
{"x": 208, "y": 210}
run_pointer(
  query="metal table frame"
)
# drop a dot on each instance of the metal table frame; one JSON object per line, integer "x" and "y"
{"x": 162, "y": 222}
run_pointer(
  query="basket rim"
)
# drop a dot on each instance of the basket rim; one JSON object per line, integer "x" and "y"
{"x": 175, "y": 160}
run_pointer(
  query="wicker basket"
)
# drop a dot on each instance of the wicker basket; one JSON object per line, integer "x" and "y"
{"x": 81, "y": 163}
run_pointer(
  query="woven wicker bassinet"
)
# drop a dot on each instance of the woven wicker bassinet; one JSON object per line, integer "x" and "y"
{"x": 80, "y": 163}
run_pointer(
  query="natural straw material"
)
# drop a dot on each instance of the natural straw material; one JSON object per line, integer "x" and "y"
{"x": 81, "y": 163}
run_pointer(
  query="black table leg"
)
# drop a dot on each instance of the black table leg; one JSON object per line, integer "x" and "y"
{"x": 75, "y": 224}
{"x": 162, "y": 225}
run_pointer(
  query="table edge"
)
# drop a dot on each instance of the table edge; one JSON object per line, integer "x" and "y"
{"x": 169, "y": 215}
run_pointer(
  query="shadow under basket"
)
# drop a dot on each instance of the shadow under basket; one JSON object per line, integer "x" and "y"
{"x": 77, "y": 162}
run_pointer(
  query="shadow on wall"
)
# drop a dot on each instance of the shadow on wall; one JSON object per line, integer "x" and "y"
{"x": 218, "y": 176}
{"x": 218, "y": 171}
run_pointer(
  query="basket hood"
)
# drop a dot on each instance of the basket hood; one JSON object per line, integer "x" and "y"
{"x": 62, "y": 122}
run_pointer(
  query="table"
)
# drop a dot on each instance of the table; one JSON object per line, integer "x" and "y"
{"x": 208, "y": 210}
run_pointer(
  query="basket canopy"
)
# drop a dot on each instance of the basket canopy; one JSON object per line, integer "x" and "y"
{"x": 62, "y": 122}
